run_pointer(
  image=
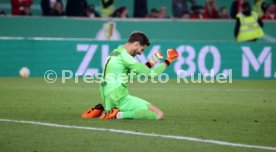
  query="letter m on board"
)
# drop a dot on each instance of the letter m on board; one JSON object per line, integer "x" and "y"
{"x": 248, "y": 58}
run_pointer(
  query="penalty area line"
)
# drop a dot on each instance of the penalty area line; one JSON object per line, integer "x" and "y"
{"x": 209, "y": 141}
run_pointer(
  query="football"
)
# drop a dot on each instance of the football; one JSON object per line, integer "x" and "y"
{"x": 24, "y": 72}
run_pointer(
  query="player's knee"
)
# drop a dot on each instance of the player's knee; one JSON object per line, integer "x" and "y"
{"x": 160, "y": 115}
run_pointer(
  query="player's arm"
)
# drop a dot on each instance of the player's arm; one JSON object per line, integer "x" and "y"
{"x": 143, "y": 69}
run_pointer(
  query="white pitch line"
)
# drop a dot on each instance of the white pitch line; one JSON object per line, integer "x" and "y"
{"x": 209, "y": 141}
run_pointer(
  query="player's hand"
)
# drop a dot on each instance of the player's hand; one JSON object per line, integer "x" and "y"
{"x": 172, "y": 55}
{"x": 156, "y": 57}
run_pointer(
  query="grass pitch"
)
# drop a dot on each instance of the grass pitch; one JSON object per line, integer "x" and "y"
{"x": 241, "y": 112}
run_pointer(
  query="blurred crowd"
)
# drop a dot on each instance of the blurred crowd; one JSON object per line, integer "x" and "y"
{"x": 182, "y": 9}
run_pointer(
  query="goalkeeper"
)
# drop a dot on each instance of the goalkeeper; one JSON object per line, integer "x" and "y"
{"x": 118, "y": 103}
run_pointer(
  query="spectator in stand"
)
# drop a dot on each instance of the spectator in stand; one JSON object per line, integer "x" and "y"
{"x": 58, "y": 9}
{"x": 91, "y": 12}
{"x": 17, "y": 6}
{"x": 76, "y": 8}
{"x": 52, "y": 7}
{"x": 186, "y": 15}
{"x": 120, "y": 12}
{"x": 224, "y": 13}
{"x": 154, "y": 13}
{"x": 140, "y": 8}
{"x": 163, "y": 12}
{"x": 181, "y": 6}
{"x": 26, "y": 9}
{"x": 198, "y": 12}
{"x": 270, "y": 13}
{"x": 211, "y": 9}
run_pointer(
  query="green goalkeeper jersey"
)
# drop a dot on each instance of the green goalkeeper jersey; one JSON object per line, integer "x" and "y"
{"x": 116, "y": 72}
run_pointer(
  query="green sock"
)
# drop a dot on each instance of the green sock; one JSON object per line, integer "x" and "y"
{"x": 127, "y": 115}
{"x": 139, "y": 114}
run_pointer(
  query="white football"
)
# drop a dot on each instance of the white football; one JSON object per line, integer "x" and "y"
{"x": 24, "y": 72}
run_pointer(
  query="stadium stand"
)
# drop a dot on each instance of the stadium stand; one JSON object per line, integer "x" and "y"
{"x": 36, "y": 8}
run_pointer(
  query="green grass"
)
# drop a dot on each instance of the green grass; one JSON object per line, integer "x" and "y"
{"x": 241, "y": 112}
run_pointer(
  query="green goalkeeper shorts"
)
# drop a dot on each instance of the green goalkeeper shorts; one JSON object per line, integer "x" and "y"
{"x": 120, "y": 99}
{"x": 128, "y": 103}
{"x": 132, "y": 103}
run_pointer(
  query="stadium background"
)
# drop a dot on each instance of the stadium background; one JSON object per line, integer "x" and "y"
{"x": 128, "y": 3}
{"x": 51, "y": 42}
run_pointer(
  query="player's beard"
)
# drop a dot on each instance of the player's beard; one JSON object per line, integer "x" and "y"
{"x": 135, "y": 52}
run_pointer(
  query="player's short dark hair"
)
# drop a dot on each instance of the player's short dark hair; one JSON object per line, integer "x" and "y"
{"x": 139, "y": 37}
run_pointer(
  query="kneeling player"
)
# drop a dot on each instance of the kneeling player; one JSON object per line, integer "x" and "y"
{"x": 118, "y": 103}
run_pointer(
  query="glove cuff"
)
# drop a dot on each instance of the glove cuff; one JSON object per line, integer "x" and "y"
{"x": 167, "y": 62}
{"x": 149, "y": 64}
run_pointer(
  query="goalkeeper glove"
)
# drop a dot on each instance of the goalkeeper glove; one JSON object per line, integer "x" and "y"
{"x": 155, "y": 58}
{"x": 172, "y": 56}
